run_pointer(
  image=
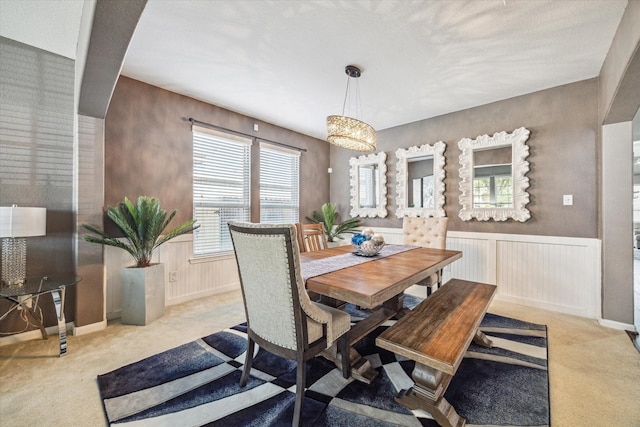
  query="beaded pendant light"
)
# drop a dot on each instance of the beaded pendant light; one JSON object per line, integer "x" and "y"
{"x": 349, "y": 132}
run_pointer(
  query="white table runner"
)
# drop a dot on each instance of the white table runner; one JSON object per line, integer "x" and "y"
{"x": 318, "y": 267}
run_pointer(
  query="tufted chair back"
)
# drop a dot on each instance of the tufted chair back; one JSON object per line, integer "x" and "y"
{"x": 425, "y": 232}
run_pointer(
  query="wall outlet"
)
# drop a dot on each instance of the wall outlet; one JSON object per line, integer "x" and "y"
{"x": 567, "y": 199}
{"x": 173, "y": 276}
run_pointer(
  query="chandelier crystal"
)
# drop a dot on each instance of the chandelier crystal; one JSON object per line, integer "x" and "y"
{"x": 348, "y": 132}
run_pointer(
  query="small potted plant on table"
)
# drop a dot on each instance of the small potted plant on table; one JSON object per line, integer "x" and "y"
{"x": 327, "y": 217}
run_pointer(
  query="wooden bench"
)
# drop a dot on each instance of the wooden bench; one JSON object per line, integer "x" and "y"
{"x": 436, "y": 335}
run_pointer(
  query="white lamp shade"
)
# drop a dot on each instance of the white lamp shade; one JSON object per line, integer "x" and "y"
{"x": 17, "y": 221}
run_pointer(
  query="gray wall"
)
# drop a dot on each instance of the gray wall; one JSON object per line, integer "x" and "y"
{"x": 563, "y": 159}
{"x": 36, "y": 159}
{"x": 148, "y": 149}
{"x": 617, "y": 223}
{"x": 619, "y": 89}
{"x": 90, "y": 302}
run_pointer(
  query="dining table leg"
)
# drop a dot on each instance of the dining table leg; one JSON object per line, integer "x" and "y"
{"x": 361, "y": 369}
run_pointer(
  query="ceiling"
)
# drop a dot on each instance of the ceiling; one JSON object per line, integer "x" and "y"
{"x": 283, "y": 61}
{"x": 52, "y": 25}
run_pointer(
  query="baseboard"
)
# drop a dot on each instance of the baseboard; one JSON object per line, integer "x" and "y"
{"x": 90, "y": 328}
{"x": 25, "y": 336}
{"x": 617, "y": 325}
{"x": 34, "y": 334}
{"x": 190, "y": 297}
{"x": 547, "y": 306}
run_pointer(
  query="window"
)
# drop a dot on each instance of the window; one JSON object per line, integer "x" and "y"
{"x": 279, "y": 184}
{"x": 221, "y": 187}
{"x": 492, "y": 187}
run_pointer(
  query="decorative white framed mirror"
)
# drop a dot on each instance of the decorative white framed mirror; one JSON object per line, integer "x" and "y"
{"x": 369, "y": 185}
{"x": 420, "y": 181}
{"x": 493, "y": 179}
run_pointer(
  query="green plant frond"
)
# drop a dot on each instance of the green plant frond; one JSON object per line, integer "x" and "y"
{"x": 152, "y": 225}
{"x": 111, "y": 242}
{"x": 346, "y": 226}
{"x": 327, "y": 217}
{"x": 184, "y": 228}
{"x": 131, "y": 208}
{"x": 329, "y": 213}
{"x": 168, "y": 220}
{"x": 142, "y": 224}
{"x": 94, "y": 230}
{"x": 123, "y": 220}
{"x": 316, "y": 218}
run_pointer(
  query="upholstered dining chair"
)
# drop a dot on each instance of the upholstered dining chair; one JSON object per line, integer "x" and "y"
{"x": 314, "y": 237}
{"x": 428, "y": 233}
{"x": 280, "y": 316}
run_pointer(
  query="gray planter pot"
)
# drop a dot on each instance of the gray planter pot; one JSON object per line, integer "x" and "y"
{"x": 142, "y": 294}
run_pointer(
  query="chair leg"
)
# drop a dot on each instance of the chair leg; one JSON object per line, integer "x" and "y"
{"x": 247, "y": 363}
{"x": 343, "y": 348}
{"x": 300, "y": 384}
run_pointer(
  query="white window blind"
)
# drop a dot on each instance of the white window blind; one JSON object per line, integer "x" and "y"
{"x": 36, "y": 127}
{"x": 221, "y": 187}
{"x": 279, "y": 184}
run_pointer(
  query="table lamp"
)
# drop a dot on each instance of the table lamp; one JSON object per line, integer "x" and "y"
{"x": 16, "y": 223}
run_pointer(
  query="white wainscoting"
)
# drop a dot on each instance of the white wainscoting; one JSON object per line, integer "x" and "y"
{"x": 555, "y": 273}
{"x": 195, "y": 278}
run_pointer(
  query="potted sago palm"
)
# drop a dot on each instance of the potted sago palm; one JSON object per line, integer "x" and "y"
{"x": 142, "y": 225}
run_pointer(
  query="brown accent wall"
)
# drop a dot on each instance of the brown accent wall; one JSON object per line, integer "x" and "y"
{"x": 563, "y": 152}
{"x": 148, "y": 149}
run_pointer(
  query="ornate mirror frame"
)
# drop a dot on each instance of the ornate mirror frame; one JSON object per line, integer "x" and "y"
{"x": 355, "y": 163}
{"x": 404, "y": 155}
{"x": 519, "y": 168}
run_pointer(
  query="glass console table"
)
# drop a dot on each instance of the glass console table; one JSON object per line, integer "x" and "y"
{"x": 26, "y": 297}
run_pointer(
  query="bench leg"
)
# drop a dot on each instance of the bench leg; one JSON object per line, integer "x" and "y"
{"x": 428, "y": 394}
{"x": 481, "y": 339}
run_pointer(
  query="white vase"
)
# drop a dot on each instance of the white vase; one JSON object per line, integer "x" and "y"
{"x": 142, "y": 294}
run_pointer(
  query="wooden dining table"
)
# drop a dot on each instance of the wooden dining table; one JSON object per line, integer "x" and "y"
{"x": 377, "y": 285}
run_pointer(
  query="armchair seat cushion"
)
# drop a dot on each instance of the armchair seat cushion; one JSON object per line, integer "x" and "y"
{"x": 340, "y": 323}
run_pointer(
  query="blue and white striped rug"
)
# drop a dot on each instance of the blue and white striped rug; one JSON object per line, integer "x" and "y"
{"x": 196, "y": 384}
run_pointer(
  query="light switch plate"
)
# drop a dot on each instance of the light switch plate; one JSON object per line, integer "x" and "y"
{"x": 567, "y": 199}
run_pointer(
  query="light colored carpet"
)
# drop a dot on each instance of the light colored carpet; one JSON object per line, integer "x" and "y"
{"x": 594, "y": 371}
